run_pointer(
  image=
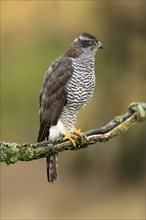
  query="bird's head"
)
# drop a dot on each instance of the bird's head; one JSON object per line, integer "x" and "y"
{"x": 84, "y": 44}
{"x": 88, "y": 43}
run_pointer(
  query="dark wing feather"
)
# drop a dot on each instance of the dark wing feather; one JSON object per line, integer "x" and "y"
{"x": 53, "y": 95}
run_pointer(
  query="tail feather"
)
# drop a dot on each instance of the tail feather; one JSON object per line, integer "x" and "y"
{"x": 52, "y": 167}
{"x": 52, "y": 161}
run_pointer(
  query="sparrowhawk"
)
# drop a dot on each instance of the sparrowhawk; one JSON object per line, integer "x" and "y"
{"x": 67, "y": 87}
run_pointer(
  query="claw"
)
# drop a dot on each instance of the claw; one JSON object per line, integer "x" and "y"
{"x": 78, "y": 132}
{"x": 71, "y": 137}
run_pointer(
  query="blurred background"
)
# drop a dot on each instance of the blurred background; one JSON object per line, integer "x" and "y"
{"x": 105, "y": 181}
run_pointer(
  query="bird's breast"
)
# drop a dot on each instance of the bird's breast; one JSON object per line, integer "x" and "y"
{"x": 81, "y": 85}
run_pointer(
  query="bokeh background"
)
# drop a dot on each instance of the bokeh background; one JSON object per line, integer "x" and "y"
{"x": 105, "y": 181}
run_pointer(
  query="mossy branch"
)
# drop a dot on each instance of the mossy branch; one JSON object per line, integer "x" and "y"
{"x": 12, "y": 152}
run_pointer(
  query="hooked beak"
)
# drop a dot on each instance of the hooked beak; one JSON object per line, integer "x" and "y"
{"x": 99, "y": 45}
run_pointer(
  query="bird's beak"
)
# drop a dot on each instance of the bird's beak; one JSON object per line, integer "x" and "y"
{"x": 99, "y": 45}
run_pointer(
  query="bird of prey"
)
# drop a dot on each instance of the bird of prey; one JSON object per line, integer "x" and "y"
{"x": 67, "y": 87}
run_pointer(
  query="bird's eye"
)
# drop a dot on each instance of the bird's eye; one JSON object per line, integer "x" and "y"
{"x": 91, "y": 42}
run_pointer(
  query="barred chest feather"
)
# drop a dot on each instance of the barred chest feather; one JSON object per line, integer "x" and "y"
{"x": 82, "y": 83}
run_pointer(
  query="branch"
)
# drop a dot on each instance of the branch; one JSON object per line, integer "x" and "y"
{"x": 13, "y": 152}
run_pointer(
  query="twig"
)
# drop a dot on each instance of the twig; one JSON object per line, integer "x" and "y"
{"x": 12, "y": 152}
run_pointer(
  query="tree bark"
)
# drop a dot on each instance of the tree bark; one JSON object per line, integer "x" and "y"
{"x": 12, "y": 152}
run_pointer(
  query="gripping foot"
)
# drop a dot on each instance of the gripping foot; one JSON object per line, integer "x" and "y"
{"x": 71, "y": 137}
{"x": 78, "y": 132}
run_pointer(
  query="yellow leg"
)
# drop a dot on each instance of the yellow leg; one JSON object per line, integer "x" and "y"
{"x": 78, "y": 132}
{"x": 71, "y": 137}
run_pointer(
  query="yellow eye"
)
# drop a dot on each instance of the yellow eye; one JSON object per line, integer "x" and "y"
{"x": 91, "y": 42}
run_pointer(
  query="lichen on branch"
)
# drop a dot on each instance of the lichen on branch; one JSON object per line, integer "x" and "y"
{"x": 10, "y": 153}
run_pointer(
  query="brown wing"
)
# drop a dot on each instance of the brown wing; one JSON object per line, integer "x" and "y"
{"x": 53, "y": 95}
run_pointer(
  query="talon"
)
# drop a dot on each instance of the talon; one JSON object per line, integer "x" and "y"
{"x": 78, "y": 132}
{"x": 71, "y": 137}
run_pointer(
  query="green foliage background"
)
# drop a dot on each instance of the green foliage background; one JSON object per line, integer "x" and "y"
{"x": 93, "y": 183}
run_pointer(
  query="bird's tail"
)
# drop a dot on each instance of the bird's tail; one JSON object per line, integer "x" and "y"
{"x": 52, "y": 167}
